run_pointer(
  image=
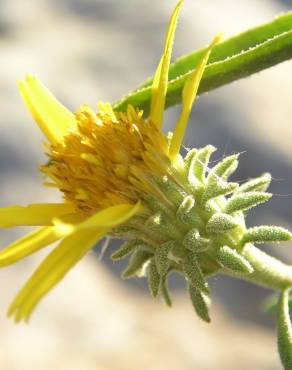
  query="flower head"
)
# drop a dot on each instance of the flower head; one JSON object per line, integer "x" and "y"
{"x": 107, "y": 160}
{"x": 104, "y": 163}
{"x": 121, "y": 176}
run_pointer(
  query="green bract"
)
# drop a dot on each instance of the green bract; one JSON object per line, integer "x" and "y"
{"x": 197, "y": 229}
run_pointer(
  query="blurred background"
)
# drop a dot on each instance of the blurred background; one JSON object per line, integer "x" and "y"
{"x": 90, "y": 50}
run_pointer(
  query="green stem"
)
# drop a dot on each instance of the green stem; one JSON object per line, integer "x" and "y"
{"x": 268, "y": 271}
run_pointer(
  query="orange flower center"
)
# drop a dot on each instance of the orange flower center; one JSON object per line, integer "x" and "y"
{"x": 110, "y": 158}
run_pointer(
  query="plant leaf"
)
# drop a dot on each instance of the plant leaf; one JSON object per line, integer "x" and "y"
{"x": 232, "y": 59}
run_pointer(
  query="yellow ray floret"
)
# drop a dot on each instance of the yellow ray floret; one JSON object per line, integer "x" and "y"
{"x": 108, "y": 166}
{"x": 52, "y": 117}
{"x": 188, "y": 97}
{"x": 52, "y": 270}
{"x": 33, "y": 214}
{"x": 111, "y": 216}
{"x": 30, "y": 243}
{"x": 159, "y": 85}
{"x": 80, "y": 239}
{"x": 106, "y": 218}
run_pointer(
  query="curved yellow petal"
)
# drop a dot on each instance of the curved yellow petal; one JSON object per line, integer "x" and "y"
{"x": 159, "y": 85}
{"x": 52, "y": 270}
{"x": 81, "y": 239}
{"x": 188, "y": 97}
{"x": 28, "y": 244}
{"x": 52, "y": 117}
{"x": 34, "y": 214}
{"x": 109, "y": 217}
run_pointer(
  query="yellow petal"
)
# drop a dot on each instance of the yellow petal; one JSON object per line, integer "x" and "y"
{"x": 53, "y": 118}
{"x": 33, "y": 214}
{"x": 109, "y": 217}
{"x": 30, "y": 243}
{"x": 188, "y": 97}
{"x": 154, "y": 94}
{"x": 52, "y": 270}
{"x": 81, "y": 239}
{"x": 159, "y": 85}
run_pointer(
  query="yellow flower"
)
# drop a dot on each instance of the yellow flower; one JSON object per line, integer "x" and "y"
{"x": 106, "y": 164}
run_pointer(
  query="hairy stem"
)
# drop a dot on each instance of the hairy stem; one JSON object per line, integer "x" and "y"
{"x": 268, "y": 271}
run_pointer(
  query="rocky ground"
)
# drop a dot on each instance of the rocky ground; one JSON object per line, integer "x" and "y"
{"x": 88, "y": 50}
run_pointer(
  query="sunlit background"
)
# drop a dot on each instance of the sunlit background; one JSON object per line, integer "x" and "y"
{"x": 90, "y": 50}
